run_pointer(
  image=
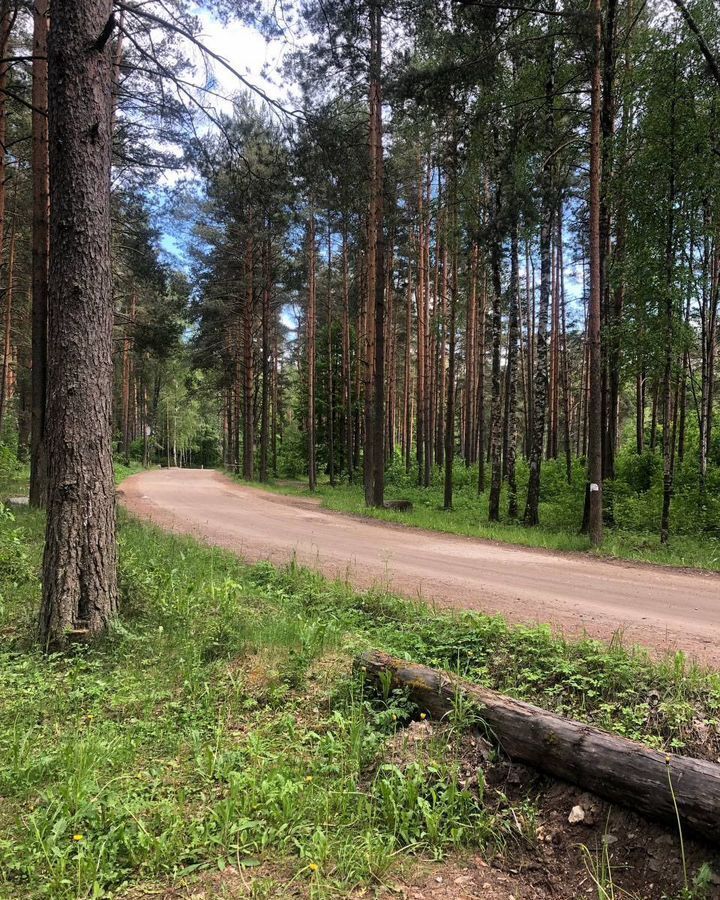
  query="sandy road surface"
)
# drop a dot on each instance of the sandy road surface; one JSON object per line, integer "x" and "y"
{"x": 662, "y": 608}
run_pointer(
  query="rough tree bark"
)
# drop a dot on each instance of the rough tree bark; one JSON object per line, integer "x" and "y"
{"x": 667, "y": 411}
{"x": 40, "y": 250}
{"x": 375, "y": 380}
{"x": 5, "y": 386}
{"x": 346, "y": 365}
{"x": 79, "y": 566}
{"x": 265, "y": 350}
{"x": 512, "y": 357}
{"x": 595, "y": 423}
{"x": 449, "y": 433}
{"x": 311, "y": 325}
{"x": 496, "y": 398}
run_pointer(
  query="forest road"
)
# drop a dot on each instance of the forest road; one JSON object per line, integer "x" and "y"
{"x": 664, "y": 609}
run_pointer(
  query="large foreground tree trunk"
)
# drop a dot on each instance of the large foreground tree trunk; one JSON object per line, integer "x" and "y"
{"x": 79, "y": 568}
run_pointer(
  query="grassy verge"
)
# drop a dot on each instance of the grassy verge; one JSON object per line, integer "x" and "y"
{"x": 469, "y": 516}
{"x": 15, "y": 476}
{"x": 217, "y": 725}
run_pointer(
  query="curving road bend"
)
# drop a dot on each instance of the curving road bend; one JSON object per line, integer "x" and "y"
{"x": 665, "y": 609}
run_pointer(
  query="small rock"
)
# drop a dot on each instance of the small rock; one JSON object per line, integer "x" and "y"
{"x": 438, "y": 878}
{"x": 577, "y": 815}
{"x": 609, "y": 839}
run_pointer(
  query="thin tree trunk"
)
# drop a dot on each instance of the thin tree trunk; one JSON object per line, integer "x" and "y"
{"x": 668, "y": 440}
{"x": 248, "y": 368}
{"x": 480, "y": 393}
{"x": 79, "y": 566}
{"x": 40, "y": 250}
{"x": 127, "y": 363}
{"x": 331, "y": 405}
{"x": 496, "y": 399}
{"x": 449, "y": 434}
{"x": 540, "y": 389}
{"x": 420, "y": 299}
{"x": 470, "y": 366}
{"x": 5, "y": 386}
{"x": 347, "y": 383}
{"x": 595, "y": 424}
{"x": 407, "y": 412}
{"x": 311, "y": 349}
{"x": 265, "y": 350}
{"x": 512, "y": 356}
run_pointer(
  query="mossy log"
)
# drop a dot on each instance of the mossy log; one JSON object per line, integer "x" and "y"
{"x": 615, "y": 768}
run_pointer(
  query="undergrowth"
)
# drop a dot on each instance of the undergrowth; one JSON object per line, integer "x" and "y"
{"x": 217, "y": 726}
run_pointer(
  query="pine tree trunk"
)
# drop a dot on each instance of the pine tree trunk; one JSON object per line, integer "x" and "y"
{"x": 40, "y": 250}
{"x": 512, "y": 357}
{"x": 470, "y": 366}
{"x": 6, "y": 23}
{"x": 330, "y": 385}
{"x": 667, "y": 411}
{"x": 449, "y": 433}
{"x": 311, "y": 350}
{"x": 346, "y": 364}
{"x": 265, "y": 350}
{"x": 5, "y": 386}
{"x": 442, "y": 358}
{"x": 480, "y": 393}
{"x": 247, "y": 364}
{"x": 640, "y": 411}
{"x": 407, "y": 410}
{"x": 496, "y": 398}
{"x": 595, "y": 423}
{"x": 565, "y": 365}
{"x": 274, "y": 401}
{"x": 540, "y": 385}
{"x": 554, "y": 406}
{"x": 429, "y": 344}
{"x": 79, "y": 566}
{"x": 420, "y": 298}
{"x": 126, "y": 377}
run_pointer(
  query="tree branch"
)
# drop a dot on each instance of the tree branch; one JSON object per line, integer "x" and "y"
{"x": 710, "y": 57}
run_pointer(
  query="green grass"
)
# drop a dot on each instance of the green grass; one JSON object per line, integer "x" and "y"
{"x": 560, "y": 516}
{"x": 15, "y": 476}
{"x": 218, "y": 724}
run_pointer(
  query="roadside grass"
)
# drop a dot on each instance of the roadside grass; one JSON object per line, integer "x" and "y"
{"x": 15, "y": 475}
{"x": 560, "y": 517}
{"x": 218, "y": 724}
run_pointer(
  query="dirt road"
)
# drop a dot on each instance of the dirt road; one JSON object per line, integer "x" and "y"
{"x": 661, "y": 608}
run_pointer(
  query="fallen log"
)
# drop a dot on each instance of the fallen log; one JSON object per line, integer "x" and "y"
{"x": 613, "y": 767}
{"x": 398, "y": 505}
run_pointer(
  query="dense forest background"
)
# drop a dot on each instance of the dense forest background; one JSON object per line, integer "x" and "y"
{"x": 474, "y": 250}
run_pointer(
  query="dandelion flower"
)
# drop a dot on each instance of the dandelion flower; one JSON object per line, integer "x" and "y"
{"x": 77, "y": 837}
{"x": 308, "y": 778}
{"x": 423, "y": 715}
{"x": 313, "y": 867}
